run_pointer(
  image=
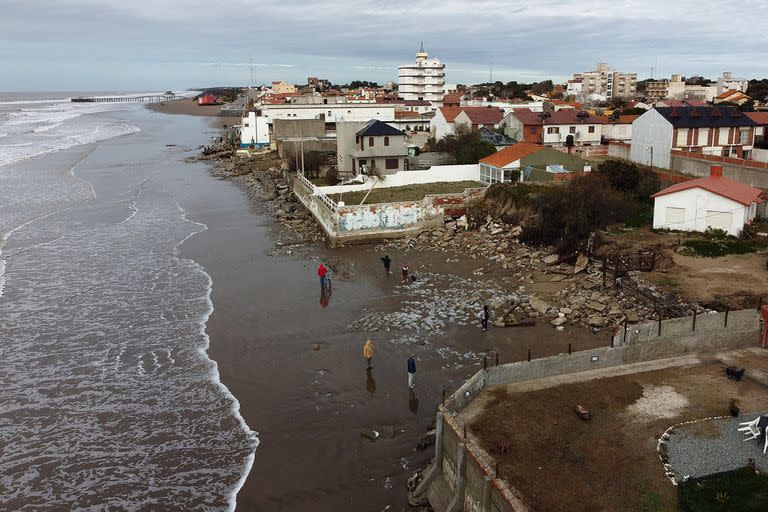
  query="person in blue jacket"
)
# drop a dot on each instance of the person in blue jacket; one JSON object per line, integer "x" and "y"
{"x": 411, "y": 371}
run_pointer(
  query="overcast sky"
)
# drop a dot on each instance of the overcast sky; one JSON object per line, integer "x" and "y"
{"x": 177, "y": 44}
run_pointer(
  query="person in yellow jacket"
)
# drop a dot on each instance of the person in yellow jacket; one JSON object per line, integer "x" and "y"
{"x": 368, "y": 353}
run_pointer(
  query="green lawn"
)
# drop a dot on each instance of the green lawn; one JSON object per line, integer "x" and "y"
{"x": 742, "y": 490}
{"x": 406, "y": 193}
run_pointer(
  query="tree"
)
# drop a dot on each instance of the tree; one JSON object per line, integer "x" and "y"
{"x": 758, "y": 89}
{"x": 540, "y": 88}
{"x": 464, "y": 144}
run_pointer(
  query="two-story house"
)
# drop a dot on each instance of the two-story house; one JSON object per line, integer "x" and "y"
{"x": 556, "y": 128}
{"x": 369, "y": 147}
{"x": 447, "y": 119}
{"x": 719, "y": 130}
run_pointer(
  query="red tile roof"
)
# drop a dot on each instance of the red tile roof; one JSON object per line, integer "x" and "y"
{"x": 483, "y": 115}
{"x": 758, "y": 117}
{"x": 623, "y": 119}
{"x": 453, "y": 98}
{"x": 527, "y": 117}
{"x": 477, "y": 115}
{"x": 450, "y": 113}
{"x": 511, "y": 154}
{"x": 406, "y": 114}
{"x": 720, "y": 185}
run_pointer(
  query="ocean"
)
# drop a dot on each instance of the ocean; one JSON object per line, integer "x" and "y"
{"x": 109, "y": 399}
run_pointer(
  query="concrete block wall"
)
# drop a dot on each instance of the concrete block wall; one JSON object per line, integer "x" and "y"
{"x": 749, "y": 172}
{"x": 468, "y": 469}
{"x": 706, "y": 324}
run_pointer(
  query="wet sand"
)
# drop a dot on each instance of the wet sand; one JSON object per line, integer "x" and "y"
{"x": 187, "y": 107}
{"x": 310, "y": 405}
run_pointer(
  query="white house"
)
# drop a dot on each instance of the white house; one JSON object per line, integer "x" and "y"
{"x": 711, "y": 202}
{"x": 332, "y": 112}
{"x": 719, "y": 130}
{"x": 446, "y": 119}
{"x": 254, "y": 130}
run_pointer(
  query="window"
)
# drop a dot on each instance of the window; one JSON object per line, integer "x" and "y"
{"x": 373, "y": 164}
{"x": 386, "y": 143}
{"x": 370, "y": 142}
{"x": 357, "y": 139}
{"x": 553, "y": 129}
{"x": 392, "y": 163}
{"x": 591, "y": 129}
{"x": 744, "y": 136}
{"x": 572, "y": 129}
{"x": 533, "y": 129}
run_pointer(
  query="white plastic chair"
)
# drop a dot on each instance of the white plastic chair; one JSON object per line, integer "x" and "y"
{"x": 748, "y": 423}
{"x": 755, "y": 433}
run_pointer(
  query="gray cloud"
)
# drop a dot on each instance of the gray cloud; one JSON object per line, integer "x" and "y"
{"x": 86, "y": 44}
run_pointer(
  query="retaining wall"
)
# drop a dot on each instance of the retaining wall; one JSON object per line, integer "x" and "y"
{"x": 468, "y": 471}
{"x": 350, "y": 224}
{"x": 746, "y": 171}
{"x": 438, "y": 174}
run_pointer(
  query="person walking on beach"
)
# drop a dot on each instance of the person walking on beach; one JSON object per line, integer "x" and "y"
{"x": 368, "y": 353}
{"x": 321, "y": 272}
{"x": 411, "y": 371}
{"x": 484, "y": 316}
{"x": 405, "y": 272}
{"x": 387, "y": 263}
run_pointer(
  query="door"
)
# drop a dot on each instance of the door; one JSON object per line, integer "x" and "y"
{"x": 675, "y": 217}
{"x": 719, "y": 220}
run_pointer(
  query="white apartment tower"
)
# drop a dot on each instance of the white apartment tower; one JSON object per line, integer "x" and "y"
{"x": 423, "y": 81}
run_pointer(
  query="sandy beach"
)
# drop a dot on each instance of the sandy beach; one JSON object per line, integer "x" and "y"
{"x": 185, "y": 107}
{"x": 295, "y": 363}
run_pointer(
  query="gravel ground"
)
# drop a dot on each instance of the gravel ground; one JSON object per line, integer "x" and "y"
{"x": 712, "y": 446}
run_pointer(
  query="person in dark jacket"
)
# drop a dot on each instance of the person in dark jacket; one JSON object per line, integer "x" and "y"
{"x": 484, "y": 316}
{"x": 411, "y": 371}
{"x": 387, "y": 263}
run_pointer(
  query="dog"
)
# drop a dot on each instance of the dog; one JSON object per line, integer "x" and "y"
{"x": 734, "y": 372}
{"x": 733, "y": 407}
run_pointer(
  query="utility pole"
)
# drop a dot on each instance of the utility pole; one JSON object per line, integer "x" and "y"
{"x": 302, "y": 152}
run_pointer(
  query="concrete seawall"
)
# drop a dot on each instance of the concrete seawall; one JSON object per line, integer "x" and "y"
{"x": 466, "y": 472}
{"x": 363, "y": 223}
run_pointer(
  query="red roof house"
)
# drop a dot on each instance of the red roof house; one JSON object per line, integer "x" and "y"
{"x": 711, "y": 202}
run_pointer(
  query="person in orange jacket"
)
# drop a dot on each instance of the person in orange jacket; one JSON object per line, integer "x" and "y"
{"x": 368, "y": 353}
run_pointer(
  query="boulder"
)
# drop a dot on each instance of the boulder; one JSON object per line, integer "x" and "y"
{"x": 550, "y": 259}
{"x": 597, "y": 321}
{"x": 581, "y": 263}
{"x": 538, "y": 305}
{"x": 516, "y": 231}
{"x": 461, "y": 222}
{"x": 596, "y": 306}
{"x": 632, "y": 317}
{"x": 449, "y": 233}
{"x": 566, "y": 311}
{"x": 369, "y": 433}
{"x": 560, "y": 320}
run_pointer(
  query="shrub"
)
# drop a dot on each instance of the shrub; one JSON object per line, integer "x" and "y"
{"x": 715, "y": 233}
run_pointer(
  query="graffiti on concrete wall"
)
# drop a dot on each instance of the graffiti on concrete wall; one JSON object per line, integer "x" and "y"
{"x": 389, "y": 217}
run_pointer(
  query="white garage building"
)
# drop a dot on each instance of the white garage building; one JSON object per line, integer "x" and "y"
{"x": 714, "y": 201}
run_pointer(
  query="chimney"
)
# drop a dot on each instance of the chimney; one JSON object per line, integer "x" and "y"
{"x": 716, "y": 170}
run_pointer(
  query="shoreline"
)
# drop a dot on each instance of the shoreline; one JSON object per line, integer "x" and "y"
{"x": 447, "y": 354}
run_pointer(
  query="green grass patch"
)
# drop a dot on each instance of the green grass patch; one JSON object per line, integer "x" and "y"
{"x": 668, "y": 282}
{"x": 406, "y": 193}
{"x": 742, "y": 490}
{"x": 717, "y": 248}
{"x": 651, "y": 501}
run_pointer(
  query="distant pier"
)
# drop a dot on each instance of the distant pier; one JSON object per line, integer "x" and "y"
{"x": 147, "y": 98}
